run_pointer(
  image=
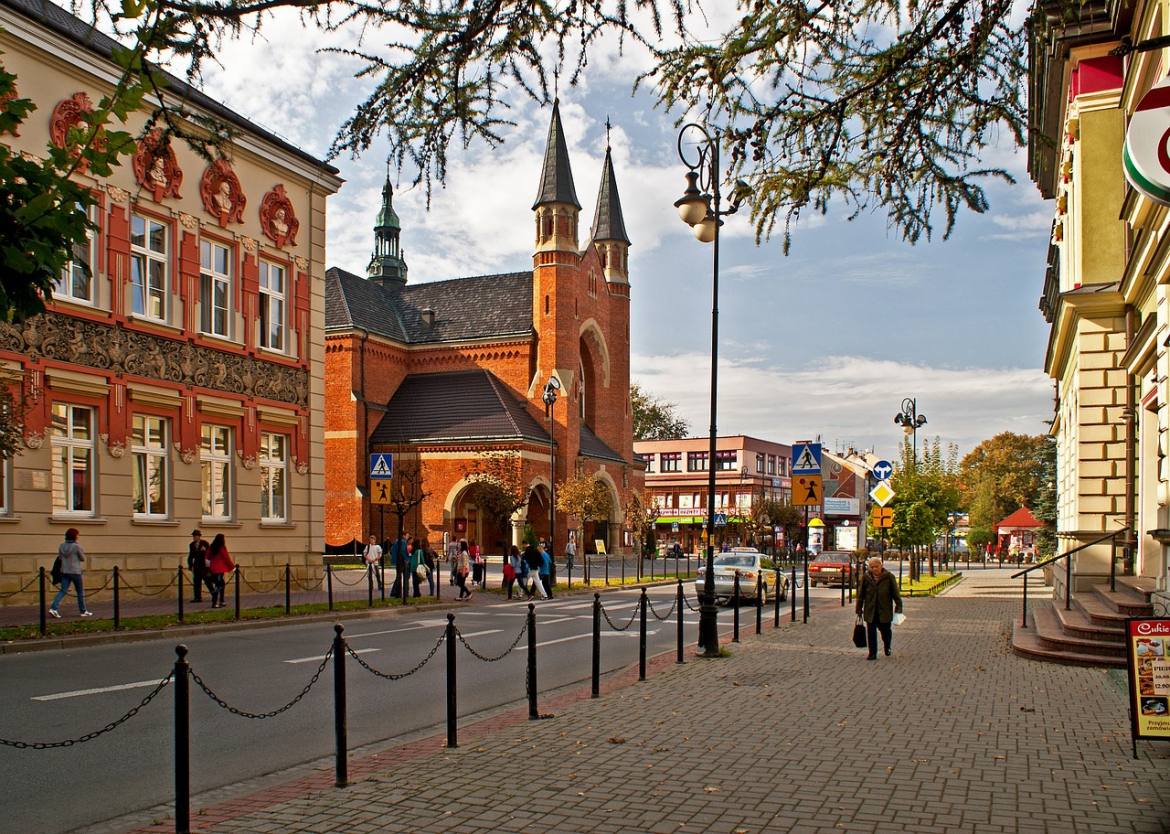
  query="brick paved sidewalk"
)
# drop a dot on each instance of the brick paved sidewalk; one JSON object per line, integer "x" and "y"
{"x": 795, "y": 732}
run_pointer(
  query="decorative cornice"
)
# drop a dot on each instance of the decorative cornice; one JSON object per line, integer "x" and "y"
{"x": 115, "y": 349}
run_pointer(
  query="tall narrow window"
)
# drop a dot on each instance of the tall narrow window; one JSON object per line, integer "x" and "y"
{"x": 148, "y": 267}
{"x": 273, "y": 477}
{"x": 215, "y": 463}
{"x": 76, "y": 279}
{"x": 73, "y": 460}
{"x": 273, "y": 294}
{"x": 215, "y": 289}
{"x": 148, "y": 445}
{"x": 760, "y": 463}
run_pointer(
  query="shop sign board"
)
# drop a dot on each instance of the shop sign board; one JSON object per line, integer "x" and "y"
{"x": 1148, "y": 647}
{"x": 1145, "y": 156}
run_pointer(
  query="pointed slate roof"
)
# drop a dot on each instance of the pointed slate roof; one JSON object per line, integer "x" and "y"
{"x": 458, "y": 406}
{"x": 556, "y": 180}
{"x": 608, "y": 223}
{"x": 481, "y": 307}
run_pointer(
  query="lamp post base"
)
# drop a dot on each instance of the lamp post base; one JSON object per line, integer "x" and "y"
{"x": 709, "y": 629}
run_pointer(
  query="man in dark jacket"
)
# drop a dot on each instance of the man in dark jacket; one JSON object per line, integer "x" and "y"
{"x": 535, "y": 562}
{"x": 877, "y": 600}
{"x": 197, "y": 564}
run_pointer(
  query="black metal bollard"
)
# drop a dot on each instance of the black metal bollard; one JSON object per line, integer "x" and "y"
{"x": 794, "y": 592}
{"x": 533, "y": 714}
{"x": 452, "y": 700}
{"x": 43, "y": 590}
{"x": 760, "y": 601}
{"x": 382, "y": 577}
{"x": 117, "y": 600}
{"x": 844, "y": 582}
{"x": 596, "y": 645}
{"x": 680, "y": 602}
{"x": 287, "y": 588}
{"x": 735, "y": 598}
{"x": 179, "y": 585}
{"x": 182, "y": 741}
{"x": 642, "y": 637}
{"x": 370, "y": 588}
{"x": 805, "y": 585}
{"x": 340, "y": 723}
{"x": 329, "y": 583}
{"x": 237, "y": 590}
{"x": 776, "y": 602}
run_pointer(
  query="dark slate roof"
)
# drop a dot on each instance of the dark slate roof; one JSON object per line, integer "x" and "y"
{"x": 608, "y": 223}
{"x": 53, "y": 17}
{"x": 459, "y": 406}
{"x": 482, "y": 307}
{"x": 593, "y": 446}
{"x": 556, "y": 180}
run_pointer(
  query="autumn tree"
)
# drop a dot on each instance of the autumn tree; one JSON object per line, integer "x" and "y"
{"x": 814, "y": 107}
{"x": 642, "y": 510}
{"x": 926, "y": 494}
{"x": 654, "y": 419}
{"x": 1001, "y": 475}
{"x": 585, "y": 497}
{"x": 498, "y": 488}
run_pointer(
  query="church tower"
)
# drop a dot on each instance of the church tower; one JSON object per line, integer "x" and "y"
{"x": 387, "y": 265}
{"x": 609, "y": 229}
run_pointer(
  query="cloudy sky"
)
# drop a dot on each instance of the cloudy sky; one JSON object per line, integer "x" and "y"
{"x": 825, "y": 342}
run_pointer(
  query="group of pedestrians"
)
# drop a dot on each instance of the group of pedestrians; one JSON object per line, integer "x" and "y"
{"x": 209, "y": 565}
{"x": 413, "y": 559}
{"x": 528, "y": 574}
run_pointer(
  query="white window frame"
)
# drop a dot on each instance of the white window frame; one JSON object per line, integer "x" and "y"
{"x": 215, "y": 289}
{"x": 70, "y": 444}
{"x": 5, "y": 481}
{"x": 273, "y": 455}
{"x": 85, "y": 254}
{"x": 149, "y": 439}
{"x": 216, "y": 455}
{"x": 271, "y": 298}
{"x": 146, "y": 264}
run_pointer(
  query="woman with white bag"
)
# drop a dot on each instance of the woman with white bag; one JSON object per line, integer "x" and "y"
{"x": 878, "y": 601}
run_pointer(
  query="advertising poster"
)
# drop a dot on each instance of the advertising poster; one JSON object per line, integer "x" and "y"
{"x": 1148, "y": 644}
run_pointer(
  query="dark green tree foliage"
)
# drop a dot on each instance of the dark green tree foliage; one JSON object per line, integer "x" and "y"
{"x": 1004, "y": 473}
{"x": 926, "y": 493}
{"x": 1044, "y": 506}
{"x": 655, "y": 419}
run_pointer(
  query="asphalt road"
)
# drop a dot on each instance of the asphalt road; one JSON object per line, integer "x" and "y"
{"x": 60, "y": 695}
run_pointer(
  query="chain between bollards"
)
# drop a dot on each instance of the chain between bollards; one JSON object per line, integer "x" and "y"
{"x": 642, "y": 638}
{"x": 340, "y": 723}
{"x": 452, "y": 699}
{"x": 182, "y": 741}
{"x": 596, "y": 644}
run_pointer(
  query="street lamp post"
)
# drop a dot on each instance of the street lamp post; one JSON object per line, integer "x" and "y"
{"x": 909, "y": 419}
{"x": 699, "y": 151}
{"x": 550, "y": 399}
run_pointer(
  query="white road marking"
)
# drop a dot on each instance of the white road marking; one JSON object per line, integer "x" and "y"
{"x": 627, "y": 635}
{"x": 320, "y": 657}
{"x": 77, "y": 693}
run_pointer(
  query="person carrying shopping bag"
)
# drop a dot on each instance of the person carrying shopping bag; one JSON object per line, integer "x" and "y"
{"x": 878, "y": 600}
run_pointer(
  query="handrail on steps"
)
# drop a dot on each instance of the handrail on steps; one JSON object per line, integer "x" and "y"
{"x": 1068, "y": 570}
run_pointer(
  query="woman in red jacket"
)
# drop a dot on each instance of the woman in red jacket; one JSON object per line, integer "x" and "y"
{"x": 219, "y": 562}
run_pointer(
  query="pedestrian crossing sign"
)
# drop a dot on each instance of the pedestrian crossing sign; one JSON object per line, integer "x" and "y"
{"x": 806, "y": 459}
{"x": 382, "y": 465}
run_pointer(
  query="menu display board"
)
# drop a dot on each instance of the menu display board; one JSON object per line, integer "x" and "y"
{"x": 1148, "y": 647}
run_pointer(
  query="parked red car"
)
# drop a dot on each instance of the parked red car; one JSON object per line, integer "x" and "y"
{"x": 829, "y": 568}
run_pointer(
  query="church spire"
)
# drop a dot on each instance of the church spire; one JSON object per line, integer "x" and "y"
{"x": 556, "y": 180}
{"x": 387, "y": 265}
{"x": 609, "y": 228}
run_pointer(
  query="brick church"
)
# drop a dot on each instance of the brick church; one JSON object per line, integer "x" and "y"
{"x": 441, "y": 374}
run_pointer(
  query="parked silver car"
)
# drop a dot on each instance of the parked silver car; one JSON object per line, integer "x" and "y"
{"x": 750, "y": 564}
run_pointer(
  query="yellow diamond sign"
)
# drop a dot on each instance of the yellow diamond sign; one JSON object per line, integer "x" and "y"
{"x": 882, "y": 494}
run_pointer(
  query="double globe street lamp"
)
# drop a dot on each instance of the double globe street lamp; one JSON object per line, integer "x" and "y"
{"x": 910, "y": 421}
{"x": 700, "y": 208}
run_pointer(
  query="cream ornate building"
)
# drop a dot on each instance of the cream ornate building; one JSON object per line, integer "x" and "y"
{"x": 179, "y": 384}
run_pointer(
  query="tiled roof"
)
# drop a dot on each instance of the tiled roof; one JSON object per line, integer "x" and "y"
{"x": 54, "y": 17}
{"x": 1020, "y": 518}
{"x": 593, "y": 446}
{"x": 453, "y": 407}
{"x": 482, "y": 307}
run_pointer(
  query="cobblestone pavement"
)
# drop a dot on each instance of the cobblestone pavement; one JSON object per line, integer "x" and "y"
{"x": 794, "y": 732}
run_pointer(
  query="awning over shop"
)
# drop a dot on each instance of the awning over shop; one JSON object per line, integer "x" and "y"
{"x": 695, "y": 520}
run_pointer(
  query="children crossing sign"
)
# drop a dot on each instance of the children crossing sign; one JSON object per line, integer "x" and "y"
{"x": 382, "y": 466}
{"x": 807, "y": 491}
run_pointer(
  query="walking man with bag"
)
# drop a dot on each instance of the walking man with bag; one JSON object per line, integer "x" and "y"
{"x": 197, "y": 563}
{"x": 877, "y": 601}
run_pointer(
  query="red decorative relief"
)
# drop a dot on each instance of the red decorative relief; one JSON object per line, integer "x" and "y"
{"x": 277, "y": 218}
{"x": 67, "y": 114}
{"x": 156, "y": 168}
{"x": 221, "y": 193}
